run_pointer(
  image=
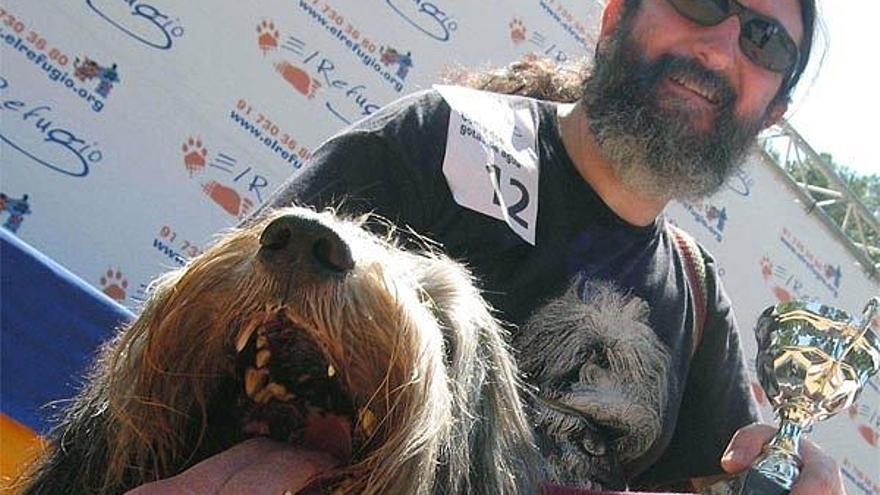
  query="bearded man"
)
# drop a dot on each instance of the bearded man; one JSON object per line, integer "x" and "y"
{"x": 547, "y": 200}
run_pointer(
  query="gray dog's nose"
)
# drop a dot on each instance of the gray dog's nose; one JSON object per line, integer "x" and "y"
{"x": 304, "y": 239}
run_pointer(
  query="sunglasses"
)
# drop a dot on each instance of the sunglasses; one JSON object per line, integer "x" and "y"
{"x": 762, "y": 39}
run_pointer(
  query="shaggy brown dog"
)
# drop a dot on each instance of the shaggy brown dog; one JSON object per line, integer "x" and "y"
{"x": 296, "y": 322}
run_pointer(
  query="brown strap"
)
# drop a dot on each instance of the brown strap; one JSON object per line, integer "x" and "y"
{"x": 695, "y": 268}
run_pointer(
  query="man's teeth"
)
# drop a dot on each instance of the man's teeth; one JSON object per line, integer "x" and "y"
{"x": 694, "y": 86}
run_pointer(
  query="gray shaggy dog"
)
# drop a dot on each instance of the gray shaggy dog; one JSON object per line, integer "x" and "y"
{"x": 297, "y": 316}
{"x": 600, "y": 373}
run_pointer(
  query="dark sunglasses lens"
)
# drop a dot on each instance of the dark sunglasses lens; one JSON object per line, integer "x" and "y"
{"x": 705, "y": 12}
{"x": 768, "y": 45}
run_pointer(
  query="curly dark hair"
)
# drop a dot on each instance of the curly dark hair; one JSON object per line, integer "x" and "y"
{"x": 543, "y": 78}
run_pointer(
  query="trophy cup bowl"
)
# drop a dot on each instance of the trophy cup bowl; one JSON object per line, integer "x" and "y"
{"x": 812, "y": 362}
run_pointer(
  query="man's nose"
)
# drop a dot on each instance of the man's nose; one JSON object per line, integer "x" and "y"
{"x": 718, "y": 46}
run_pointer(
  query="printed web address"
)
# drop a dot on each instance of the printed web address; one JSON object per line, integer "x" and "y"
{"x": 52, "y": 72}
{"x": 270, "y": 142}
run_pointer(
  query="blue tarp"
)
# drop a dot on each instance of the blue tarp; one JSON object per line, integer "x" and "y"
{"x": 51, "y": 324}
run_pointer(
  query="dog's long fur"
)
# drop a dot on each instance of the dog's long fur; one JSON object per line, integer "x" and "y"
{"x": 601, "y": 378}
{"x": 409, "y": 336}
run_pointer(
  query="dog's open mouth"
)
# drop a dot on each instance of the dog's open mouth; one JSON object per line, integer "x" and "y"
{"x": 291, "y": 393}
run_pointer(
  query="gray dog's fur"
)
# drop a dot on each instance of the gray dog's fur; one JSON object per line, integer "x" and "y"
{"x": 601, "y": 380}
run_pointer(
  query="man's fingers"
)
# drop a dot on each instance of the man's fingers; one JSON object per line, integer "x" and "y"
{"x": 745, "y": 446}
{"x": 820, "y": 474}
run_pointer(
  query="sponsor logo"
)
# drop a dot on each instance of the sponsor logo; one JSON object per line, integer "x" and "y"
{"x": 392, "y": 57}
{"x": 426, "y": 17}
{"x": 32, "y": 45}
{"x": 364, "y": 48}
{"x": 712, "y": 217}
{"x": 14, "y": 210}
{"x": 567, "y": 21}
{"x": 139, "y": 20}
{"x": 740, "y": 182}
{"x": 784, "y": 285}
{"x": 43, "y": 139}
{"x": 267, "y": 132}
{"x": 89, "y": 70}
{"x": 239, "y": 188}
{"x": 114, "y": 285}
{"x": 827, "y": 273}
{"x": 519, "y": 34}
{"x": 346, "y": 99}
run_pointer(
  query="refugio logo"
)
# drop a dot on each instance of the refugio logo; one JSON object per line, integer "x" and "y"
{"x": 425, "y": 16}
{"x": 140, "y": 20}
{"x": 41, "y": 137}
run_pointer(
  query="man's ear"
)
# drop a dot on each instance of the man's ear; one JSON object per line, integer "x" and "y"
{"x": 611, "y": 17}
{"x": 775, "y": 113}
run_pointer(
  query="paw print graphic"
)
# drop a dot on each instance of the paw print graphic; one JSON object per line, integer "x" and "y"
{"x": 194, "y": 155}
{"x": 267, "y": 36}
{"x": 517, "y": 30}
{"x": 298, "y": 78}
{"x": 766, "y": 268}
{"x": 114, "y": 284}
{"x": 228, "y": 199}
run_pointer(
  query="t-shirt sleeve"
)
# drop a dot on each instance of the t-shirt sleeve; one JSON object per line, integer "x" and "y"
{"x": 717, "y": 399}
{"x": 388, "y": 164}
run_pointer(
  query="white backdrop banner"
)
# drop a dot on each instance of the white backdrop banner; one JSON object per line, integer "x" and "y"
{"x": 131, "y": 132}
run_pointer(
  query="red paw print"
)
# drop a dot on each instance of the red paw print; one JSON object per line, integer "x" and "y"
{"x": 297, "y": 78}
{"x": 766, "y": 268}
{"x": 113, "y": 283}
{"x": 267, "y": 36}
{"x": 194, "y": 155}
{"x": 228, "y": 199}
{"x": 517, "y": 31}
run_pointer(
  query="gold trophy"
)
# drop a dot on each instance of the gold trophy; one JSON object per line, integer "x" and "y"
{"x": 812, "y": 362}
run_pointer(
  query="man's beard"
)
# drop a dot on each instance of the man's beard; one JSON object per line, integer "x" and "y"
{"x": 658, "y": 151}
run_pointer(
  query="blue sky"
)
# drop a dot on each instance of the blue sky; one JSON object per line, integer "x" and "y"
{"x": 838, "y": 110}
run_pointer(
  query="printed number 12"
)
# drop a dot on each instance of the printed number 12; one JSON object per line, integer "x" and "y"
{"x": 514, "y": 209}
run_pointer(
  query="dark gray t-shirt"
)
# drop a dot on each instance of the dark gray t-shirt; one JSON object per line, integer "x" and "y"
{"x": 390, "y": 164}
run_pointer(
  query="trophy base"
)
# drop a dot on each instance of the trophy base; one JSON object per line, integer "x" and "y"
{"x": 752, "y": 482}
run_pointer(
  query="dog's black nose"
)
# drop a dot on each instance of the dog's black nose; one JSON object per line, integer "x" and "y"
{"x": 307, "y": 238}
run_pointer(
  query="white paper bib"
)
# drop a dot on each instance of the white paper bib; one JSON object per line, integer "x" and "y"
{"x": 491, "y": 161}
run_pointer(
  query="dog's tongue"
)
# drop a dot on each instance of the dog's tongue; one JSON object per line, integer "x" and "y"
{"x": 328, "y": 432}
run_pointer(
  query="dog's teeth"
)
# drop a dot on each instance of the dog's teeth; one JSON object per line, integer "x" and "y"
{"x": 272, "y": 391}
{"x": 367, "y": 421}
{"x": 279, "y": 391}
{"x": 255, "y": 381}
{"x": 244, "y": 335}
{"x": 331, "y": 371}
{"x": 263, "y": 357}
{"x": 262, "y": 341}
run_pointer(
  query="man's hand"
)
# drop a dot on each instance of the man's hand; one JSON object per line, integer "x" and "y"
{"x": 257, "y": 466}
{"x": 820, "y": 474}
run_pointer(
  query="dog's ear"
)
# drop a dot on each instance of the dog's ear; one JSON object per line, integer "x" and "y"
{"x": 131, "y": 423}
{"x": 491, "y": 445}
